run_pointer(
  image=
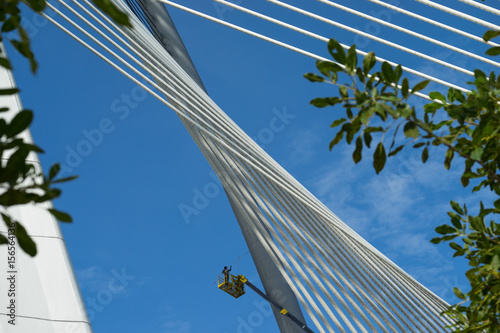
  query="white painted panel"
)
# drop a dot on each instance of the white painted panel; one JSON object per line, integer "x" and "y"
{"x": 42, "y": 292}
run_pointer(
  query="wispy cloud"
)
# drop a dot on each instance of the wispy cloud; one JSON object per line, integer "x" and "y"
{"x": 176, "y": 326}
{"x": 92, "y": 278}
{"x": 396, "y": 211}
{"x": 170, "y": 322}
{"x": 303, "y": 146}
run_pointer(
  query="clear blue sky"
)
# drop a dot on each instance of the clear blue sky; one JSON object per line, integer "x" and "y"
{"x": 137, "y": 165}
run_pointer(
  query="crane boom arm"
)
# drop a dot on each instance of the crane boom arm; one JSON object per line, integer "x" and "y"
{"x": 282, "y": 310}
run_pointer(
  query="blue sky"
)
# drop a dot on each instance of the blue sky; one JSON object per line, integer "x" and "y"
{"x": 137, "y": 166}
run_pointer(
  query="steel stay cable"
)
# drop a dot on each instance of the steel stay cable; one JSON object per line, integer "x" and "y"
{"x": 277, "y": 219}
{"x": 251, "y": 215}
{"x": 378, "y": 39}
{"x": 162, "y": 100}
{"x": 306, "y": 240}
{"x": 412, "y": 33}
{"x": 237, "y": 173}
{"x": 433, "y": 22}
{"x": 307, "y": 217}
{"x": 287, "y": 210}
{"x": 272, "y": 160}
{"x": 325, "y": 232}
{"x": 285, "y": 252}
{"x": 333, "y": 258}
{"x": 325, "y": 39}
{"x": 482, "y": 6}
{"x": 407, "y": 299}
{"x": 199, "y": 145}
{"x": 194, "y": 136}
{"x": 273, "y": 41}
{"x": 460, "y": 14}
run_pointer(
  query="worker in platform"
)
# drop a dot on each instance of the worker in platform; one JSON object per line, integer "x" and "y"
{"x": 226, "y": 271}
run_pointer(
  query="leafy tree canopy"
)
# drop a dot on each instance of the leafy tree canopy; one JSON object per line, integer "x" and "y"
{"x": 376, "y": 105}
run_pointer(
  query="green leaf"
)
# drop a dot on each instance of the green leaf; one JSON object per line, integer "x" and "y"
{"x": 314, "y": 77}
{"x": 456, "y": 207}
{"x": 425, "y": 155}
{"x": 61, "y": 216}
{"x": 11, "y": 23}
{"x": 493, "y": 51}
{"x": 54, "y": 170}
{"x": 356, "y": 156}
{"x": 379, "y": 157}
{"x": 373, "y": 129}
{"x": 37, "y": 5}
{"x": 419, "y": 86}
{"x": 29, "y": 146}
{"x": 360, "y": 74}
{"x": 495, "y": 263}
{"x": 20, "y": 122}
{"x": 348, "y": 112}
{"x": 467, "y": 241}
{"x": 4, "y": 62}
{"x": 455, "y": 246}
{"x": 459, "y": 293}
{"x": 23, "y": 47}
{"x": 455, "y": 220}
{"x": 488, "y": 35}
{"x": 479, "y": 74}
{"x": 465, "y": 181}
{"x": 339, "y": 55}
{"x": 63, "y": 180}
{"x": 405, "y": 87}
{"x": 25, "y": 242}
{"x": 398, "y": 71}
{"x": 435, "y": 95}
{"x": 476, "y": 223}
{"x": 328, "y": 69}
{"x": 368, "y": 138}
{"x": 338, "y": 122}
{"x": 411, "y": 130}
{"x": 477, "y": 153}
{"x": 497, "y": 204}
{"x": 436, "y": 240}
{"x": 445, "y": 229}
{"x": 351, "y": 59}
{"x": 397, "y": 150}
{"x": 9, "y": 91}
{"x": 337, "y": 139}
{"x": 448, "y": 157}
{"x": 17, "y": 160}
{"x": 387, "y": 71}
{"x": 365, "y": 115}
{"x": 368, "y": 62}
{"x": 6, "y": 218}
{"x": 320, "y": 102}
{"x": 343, "y": 92}
{"x": 114, "y": 12}
{"x": 3, "y": 239}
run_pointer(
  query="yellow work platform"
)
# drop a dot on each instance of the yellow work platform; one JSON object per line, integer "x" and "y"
{"x": 233, "y": 285}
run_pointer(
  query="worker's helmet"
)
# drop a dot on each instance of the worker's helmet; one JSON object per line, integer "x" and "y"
{"x": 225, "y": 267}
